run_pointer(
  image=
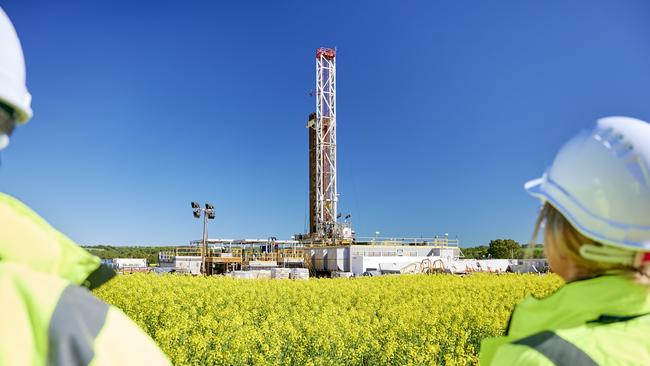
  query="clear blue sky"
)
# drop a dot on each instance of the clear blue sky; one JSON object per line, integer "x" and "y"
{"x": 445, "y": 109}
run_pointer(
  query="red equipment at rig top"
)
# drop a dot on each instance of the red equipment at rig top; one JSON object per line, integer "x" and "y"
{"x": 327, "y": 53}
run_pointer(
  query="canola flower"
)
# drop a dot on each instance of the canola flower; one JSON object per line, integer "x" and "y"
{"x": 388, "y": 320}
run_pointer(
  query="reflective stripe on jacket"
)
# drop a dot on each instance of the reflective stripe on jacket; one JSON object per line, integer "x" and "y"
{"x": 599, "y": 321}
{"x": 27, "y": 239}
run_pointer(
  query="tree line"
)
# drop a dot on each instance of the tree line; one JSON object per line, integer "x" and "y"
{"x": 503, "y": 249}
{"x": 496, "y": 249}
{"x": 110, "y": 252}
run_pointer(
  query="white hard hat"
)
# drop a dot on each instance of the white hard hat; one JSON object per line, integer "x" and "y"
{"x": 600, "y": 182}
{"x": 13, "y": 90}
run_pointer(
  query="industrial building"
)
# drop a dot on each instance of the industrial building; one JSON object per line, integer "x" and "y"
{"x": 388, "y": 256}
{"x": 330, "y": 245}
{"x": 181, "y": 261}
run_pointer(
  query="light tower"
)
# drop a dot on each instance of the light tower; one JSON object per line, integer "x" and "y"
{"x": 208, "y": 213}
{"x": 324, "y": 197}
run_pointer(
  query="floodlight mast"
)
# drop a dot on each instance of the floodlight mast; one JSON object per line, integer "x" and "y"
{"x": 208, "y": 214}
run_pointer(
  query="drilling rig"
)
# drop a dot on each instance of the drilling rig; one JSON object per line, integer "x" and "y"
{"x": 323, "y": 196}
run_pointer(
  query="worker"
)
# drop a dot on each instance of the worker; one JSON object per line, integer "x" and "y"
{"x": 48, "y": 315}
{"x": 595, "y": 218}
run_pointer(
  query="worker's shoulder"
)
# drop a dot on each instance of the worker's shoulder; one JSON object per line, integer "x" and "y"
{"x": 48, "y": 314}
{"x": 40, "y": 291}
{"x": 30, "y": 286}
{"x": 519, "y": 354}
{"x": 11, "y": 201}
{"x": 15, "y": 272}
{"x": 621, "y": 342}
{"x": 28, "y": 299}
{"x": 12, "y": 209}
{"x": 617, "y": 343}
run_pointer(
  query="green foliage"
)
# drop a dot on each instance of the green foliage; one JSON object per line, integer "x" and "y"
{"x": 536, "y": 252}
{"x": 110, "y": 252}
{"x": 503, "y": 248}
{"x": 479, "y": 252}
{"x": 388, "y": 320}
{"x": 482, "y": 252}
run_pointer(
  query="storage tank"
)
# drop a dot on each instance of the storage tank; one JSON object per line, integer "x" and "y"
{"x": 320, "y": 259}
{"x": 338, "y": 259}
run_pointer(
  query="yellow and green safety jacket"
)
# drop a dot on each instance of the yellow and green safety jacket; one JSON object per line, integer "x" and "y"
{"x": 599, "y": 321}
{"x": 48, "y": 315}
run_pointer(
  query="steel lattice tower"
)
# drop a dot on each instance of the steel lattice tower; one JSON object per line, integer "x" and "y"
{"x": 326, "y": 196}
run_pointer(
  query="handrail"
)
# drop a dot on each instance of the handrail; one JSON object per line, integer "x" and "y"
{"x": 435, "y": 241}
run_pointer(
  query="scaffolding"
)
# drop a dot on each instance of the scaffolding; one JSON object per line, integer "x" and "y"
{"x": 226, "y": 255}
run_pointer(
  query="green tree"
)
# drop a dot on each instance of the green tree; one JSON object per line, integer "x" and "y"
{"x": 110, "y": 252}
{"x": 528, "y": 252}
{"x": 503, "y": 248}
{"x": 479, "y": 252}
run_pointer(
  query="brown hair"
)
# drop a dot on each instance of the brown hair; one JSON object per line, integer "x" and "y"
{"x": 565, "y": 239}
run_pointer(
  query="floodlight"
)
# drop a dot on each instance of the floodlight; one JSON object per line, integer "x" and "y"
{"x": 197, "y": 212}
{"x": 338, "y": 216}
{"x": 209, "y": 211}
{"x": 195, "y": 204}
{"x": 348, "y": 216}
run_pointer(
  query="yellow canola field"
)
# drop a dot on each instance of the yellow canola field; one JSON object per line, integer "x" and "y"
{"x": 389, "y": 320}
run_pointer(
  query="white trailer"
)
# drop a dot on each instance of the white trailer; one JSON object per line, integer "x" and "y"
{"x": 122, "y": 263}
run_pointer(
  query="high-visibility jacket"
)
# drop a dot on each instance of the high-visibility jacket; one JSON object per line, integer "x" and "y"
{"x": 45, "y": 316}
{"x": 599, "y": 321}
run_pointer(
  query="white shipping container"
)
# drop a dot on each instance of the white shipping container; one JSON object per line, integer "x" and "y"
{"x": 191, "y": 264}
{"x": 120, "y": 263}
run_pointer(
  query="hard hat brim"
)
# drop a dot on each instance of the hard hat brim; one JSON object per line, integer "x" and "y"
{"x": 21, "y": 104}
{"x": 617, "y": 234}
{"x": 534, "y": 187}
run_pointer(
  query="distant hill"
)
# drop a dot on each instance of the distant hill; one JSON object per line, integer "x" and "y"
{"x": 110, "y": 252}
